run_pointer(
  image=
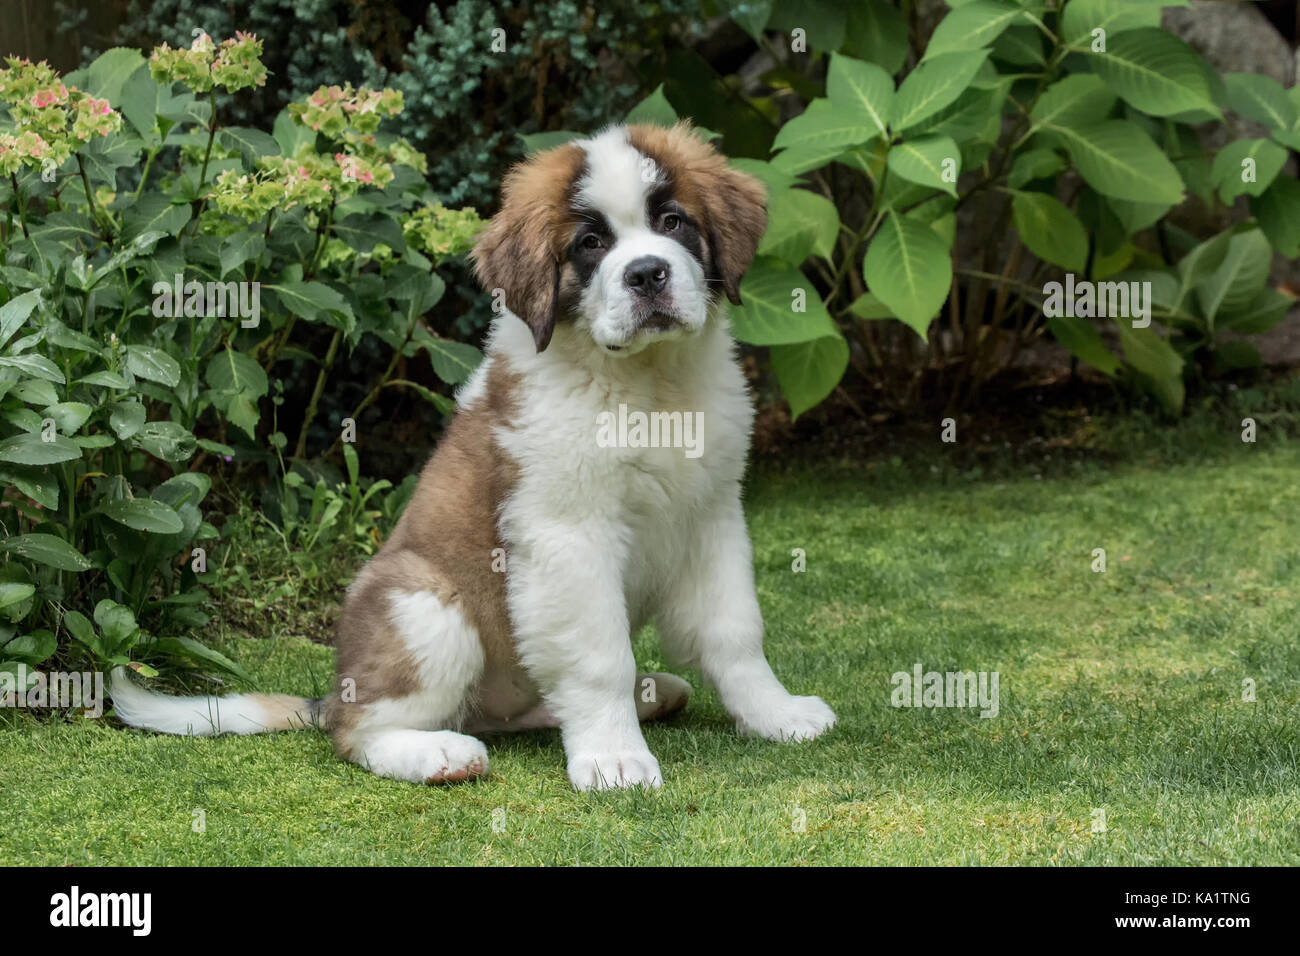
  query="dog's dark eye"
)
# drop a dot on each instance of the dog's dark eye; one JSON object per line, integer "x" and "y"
{"x": 672, "y": 221}
{"x": 591, "y": 241}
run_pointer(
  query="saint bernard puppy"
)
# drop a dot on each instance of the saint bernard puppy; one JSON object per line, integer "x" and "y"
{"x": 531, "y": 552}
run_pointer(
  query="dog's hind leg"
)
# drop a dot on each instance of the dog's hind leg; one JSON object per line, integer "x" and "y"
{"x": 408, "y": 662}
{"x": 658, "y": 696}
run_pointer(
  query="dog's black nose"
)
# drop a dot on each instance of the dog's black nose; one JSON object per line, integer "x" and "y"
{"x": 646, "y": 276}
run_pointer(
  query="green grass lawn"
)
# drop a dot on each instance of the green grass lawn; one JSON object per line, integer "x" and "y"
{"x": 1119, "y": 691}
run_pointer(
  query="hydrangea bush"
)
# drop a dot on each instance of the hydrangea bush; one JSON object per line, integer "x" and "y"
{"x": 159, "y": 270}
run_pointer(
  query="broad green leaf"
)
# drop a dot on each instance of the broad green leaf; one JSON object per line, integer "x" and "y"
{"x": 875, "y": 31}
{"x": 291, "y": 135}
{"x": 972, "y": 26}
{"x": 154, "y": 213}
{"x": 821, "y": 20}
{"x": 33, "y": 649}
{"x": 253, "y": 144}
{"x": 867, "y": 306}
{"x": 68, "y": 416}
{"x": 34, "y": 482}
{"x": 126, "y": 418}
{"x": 1155, "y": 359}
{"x": 116, "y": 623}
{"x": 169, "y": 441}
{"x": 238, "y": 248}
{"x": 31, "y": 449}
{"x": 79, "y": 626}
{"x": 1118, "y": 159}
{"x": 189, "y": 647}
{"x": 774, "y": 179}
{"x": 1246, "y": 166}
{"x": 232, "y": 371}
{"x": 1202, "y": 260}
{"x": 1136, "y": 216}
{"x": 35, "y": 391}
{"x": 909, "y": 268}
{"x": 654, "y": 109}
{"x": 809, "y": 371}
{"x": 864, "y": 88}
{"x": 800, "y": 223}
{"x": 780, "y": 306}
{"x": 1080, "y": 99}
{"x": 242, "y": 411}
{"x": 1021, "y": 46}
{"x": 144, "y": 514}
{"x": 934, "y": 84}
{"x": 1259, "y": 315}
{"x": 363, "y": 232}
{"x": 825, "y": 126}
{"x": 1035, "y": 164}
{"x": 139, "y": 104}
{"x": 110, "y": 71}
{"x": 1155, "y": 72}
{"x": 37, "y": 365}
{"x": 1240, "y": 277}
{"x": 105, "y": 379}
{"x": 1081, "y": 337}
{"x": 1260, "y": 98}
{"x": 1278, "y": 214}
{"x": 46, "y": 549}
{"x": 313, "y": 301}
{"x": 1050, "y": 230}
{"x": 930, "y": 161}
{"x": 15, "y": 312}
{"x": 798, "y": 159}
{"x": 153, "y": 364}
{"x": 454, "y": 362}
{"x": 15, "y": 593}
{"x": 1082, "y": 17}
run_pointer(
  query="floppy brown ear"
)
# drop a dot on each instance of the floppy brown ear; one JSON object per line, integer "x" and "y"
{"x": 519, "y": 253}
{"x": 736, "y": 209}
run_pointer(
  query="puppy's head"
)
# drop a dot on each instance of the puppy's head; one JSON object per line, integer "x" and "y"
{"x": 633, "y": 235}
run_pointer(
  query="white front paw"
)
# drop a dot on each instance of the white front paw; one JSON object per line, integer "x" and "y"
{"x": 604, "y": 771}
{"x": 790, "y": 718}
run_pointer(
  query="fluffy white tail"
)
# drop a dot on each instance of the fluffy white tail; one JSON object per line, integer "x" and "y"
{"x": 209, "y": 715}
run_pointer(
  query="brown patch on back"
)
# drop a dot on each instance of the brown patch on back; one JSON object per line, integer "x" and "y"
{"x": 521, "y": 250}
{"x": 730, "y": 206}
{"x": 443, "y": 544}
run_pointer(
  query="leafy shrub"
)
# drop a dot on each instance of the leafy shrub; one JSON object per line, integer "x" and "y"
{"x": 141, "y": 330}
{"x": 468, "y": 91}
{"x": 1060, "y": 136}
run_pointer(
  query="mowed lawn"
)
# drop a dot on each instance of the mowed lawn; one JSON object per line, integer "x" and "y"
{"x": 1120, "y": 693}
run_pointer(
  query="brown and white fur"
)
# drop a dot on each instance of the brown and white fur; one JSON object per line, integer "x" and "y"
{"x": 508, "y": 592}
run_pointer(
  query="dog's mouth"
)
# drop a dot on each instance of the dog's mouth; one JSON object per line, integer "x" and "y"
{"x": 650, "y": 325}
{"x": 659, "y": 322}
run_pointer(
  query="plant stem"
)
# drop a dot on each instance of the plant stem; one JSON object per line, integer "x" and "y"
{"x": 212, "y": 134}
{"x": 18, "y": 201}
{"x": 300, "y": 450}
{"x": 144, "y": 176}
{"x": 90, "y": 198}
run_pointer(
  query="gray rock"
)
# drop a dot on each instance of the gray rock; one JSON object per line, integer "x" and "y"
{"x": 1234, "y": 38}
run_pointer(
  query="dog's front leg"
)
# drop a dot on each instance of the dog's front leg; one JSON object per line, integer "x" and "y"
{"x": 571, "y": 628}
{"x": 711, "y": 619}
